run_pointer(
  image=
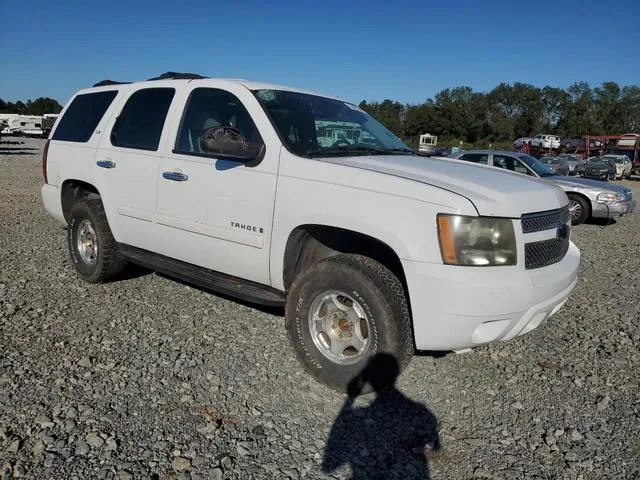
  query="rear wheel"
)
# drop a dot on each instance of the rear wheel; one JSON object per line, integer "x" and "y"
{"x": 579, "y": 209}
{"x": 344, "y": 311}
{"x": 93, "y": 250}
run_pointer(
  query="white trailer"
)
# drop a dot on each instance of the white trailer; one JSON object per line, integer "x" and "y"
{"x": 28, "y": 125}
{"x": 427, "y": 143}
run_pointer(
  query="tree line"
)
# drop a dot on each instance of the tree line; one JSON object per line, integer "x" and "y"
{"x": 510, "y": 111}
{"x": 39, "y": 106}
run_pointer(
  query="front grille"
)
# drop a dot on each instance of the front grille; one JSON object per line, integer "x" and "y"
{"x": 537, "y": 222}
{"x": 546, "y": 252}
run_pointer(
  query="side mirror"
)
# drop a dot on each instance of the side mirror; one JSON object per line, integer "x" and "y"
{"x": 229, "y": 142}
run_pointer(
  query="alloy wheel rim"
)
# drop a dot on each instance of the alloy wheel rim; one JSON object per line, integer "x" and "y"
{"x": 339, "y": 327}
{"x": 87, "y": 242}
{"x": 576, "y": 209}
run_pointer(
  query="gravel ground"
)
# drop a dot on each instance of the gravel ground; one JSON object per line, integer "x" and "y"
{"x": 150, "y": 378}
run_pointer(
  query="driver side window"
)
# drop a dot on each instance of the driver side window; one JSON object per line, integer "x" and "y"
{"x": 510, "y": 163}
{"x": 208, "y": 108}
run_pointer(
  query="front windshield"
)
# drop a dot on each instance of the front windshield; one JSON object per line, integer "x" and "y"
{"x": 315, "y": 126}
{"x": 616, "y": 159}
{"x": 538, "y": 167}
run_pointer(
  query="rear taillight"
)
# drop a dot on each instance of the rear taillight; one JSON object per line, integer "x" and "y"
{"x": 45, "y": 152}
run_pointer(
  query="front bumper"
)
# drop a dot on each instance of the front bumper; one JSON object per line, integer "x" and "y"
{"x": 461, "y": 307}
{"x": 610, "y": 210}
{"x": 597, "y": 175}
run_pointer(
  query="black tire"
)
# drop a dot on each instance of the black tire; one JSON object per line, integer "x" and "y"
{"x": 381, "y": 296}
{"x": 108, "y": 263}
{"x": 584, "y": 208}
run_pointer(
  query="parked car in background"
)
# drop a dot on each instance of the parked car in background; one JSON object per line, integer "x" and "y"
{"x": 623, "y": 165}
{"x": 545, "y": 141}
{"x": 575, "y": 162}
{"x": 557, "y": 164}
{"x": 520, "y": 142}
{"x": 581, "y": 141}
{"x": 588, "y": 198}
{"x": 601, "y": 168}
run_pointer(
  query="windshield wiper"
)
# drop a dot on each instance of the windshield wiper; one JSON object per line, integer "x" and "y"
{"x": 357, "y": 149}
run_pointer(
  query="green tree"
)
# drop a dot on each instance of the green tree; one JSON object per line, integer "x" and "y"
{"x": 631, "y": 99}
{"x": 20, "y": 108}
{"x": 42, "y": 105}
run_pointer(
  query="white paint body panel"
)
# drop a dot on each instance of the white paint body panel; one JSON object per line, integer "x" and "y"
{"x": 394, "y": 199}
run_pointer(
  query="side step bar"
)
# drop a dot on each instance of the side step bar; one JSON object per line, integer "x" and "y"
{"x": 203, "y": 277}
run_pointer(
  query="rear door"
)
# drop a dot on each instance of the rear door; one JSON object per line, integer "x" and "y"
{"x": 128, "y": 160}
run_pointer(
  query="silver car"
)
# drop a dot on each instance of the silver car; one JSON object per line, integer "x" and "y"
{"x": 588, "y": 198}
{"x": 575, "y": 162}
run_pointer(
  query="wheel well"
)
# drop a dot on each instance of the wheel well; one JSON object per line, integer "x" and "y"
{"x": 308, "y": 244}
{"x": 584, "y": 197}
{"x": 74, "y": 190}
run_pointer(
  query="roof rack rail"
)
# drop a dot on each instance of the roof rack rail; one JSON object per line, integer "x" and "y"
{"x": 108, "y": 82}
{"x": 177, "y": 76}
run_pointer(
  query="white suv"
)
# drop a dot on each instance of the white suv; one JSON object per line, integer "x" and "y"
{"x": 370, "y": 248}
{"x": 545, "y": 141}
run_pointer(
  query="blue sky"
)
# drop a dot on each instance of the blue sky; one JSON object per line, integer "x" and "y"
{"x": 404, "y": 50}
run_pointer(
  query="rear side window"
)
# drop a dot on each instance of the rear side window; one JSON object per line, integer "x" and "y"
{"x": 142, "y": 119}
{"x": 83, "y": 115}
{"x": 482, "y": 158}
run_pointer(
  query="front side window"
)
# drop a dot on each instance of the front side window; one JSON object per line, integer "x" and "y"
{"x": 510, "y": 163}
{"x": 83, "y": 115}
{"x": 210, "y": 115}
{"x": 142, "y": 119}
{"x": 314, "y": 126}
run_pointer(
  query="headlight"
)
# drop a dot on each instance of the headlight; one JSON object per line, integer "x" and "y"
{"x": 476, "y": 241}
{"x": 610, "y": 197}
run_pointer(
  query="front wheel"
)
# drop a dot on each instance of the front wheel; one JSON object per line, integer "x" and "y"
{"x": 92, "y": 248}
{"x": 579, "y": 209}
{"x": 343, "y": 312}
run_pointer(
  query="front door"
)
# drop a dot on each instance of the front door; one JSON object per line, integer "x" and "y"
{"x": 213, "y": 211}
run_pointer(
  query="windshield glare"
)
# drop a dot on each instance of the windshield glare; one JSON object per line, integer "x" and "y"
{"x": 538, "y": 167}
{"x": 315, "y": 126}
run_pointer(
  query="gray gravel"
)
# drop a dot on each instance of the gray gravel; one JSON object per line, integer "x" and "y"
{"x": 150, "y": 378}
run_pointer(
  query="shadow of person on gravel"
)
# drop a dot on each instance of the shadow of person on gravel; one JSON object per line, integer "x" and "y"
{"x": 389, "y": 438}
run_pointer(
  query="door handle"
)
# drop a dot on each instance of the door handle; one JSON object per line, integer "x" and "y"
{"x": 106, "y": 164}
{"x": 175, "y": 176}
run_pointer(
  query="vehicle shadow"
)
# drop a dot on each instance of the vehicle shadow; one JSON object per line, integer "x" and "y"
{"x": 18, "y": 151}
{"x": 392, "y": 437}
{"x": 601, "y": 222}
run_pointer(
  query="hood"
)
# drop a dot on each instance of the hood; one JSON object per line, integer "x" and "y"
{"x": 596, "y": 166}
{"x": 494, "y": 192}
{"x": 572, "y": 182}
